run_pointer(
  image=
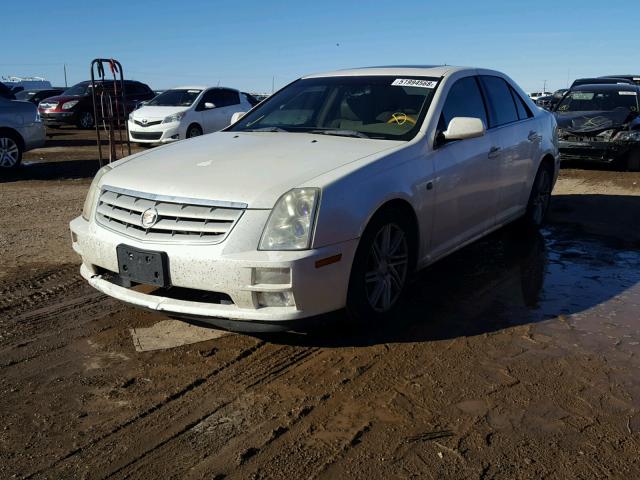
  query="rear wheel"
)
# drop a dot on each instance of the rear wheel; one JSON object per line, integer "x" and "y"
{"x": 381, "y": 267}
{"x": 194, "y": 130}
{"x": 10, "y": 151}
{"x": 540, "y": 198}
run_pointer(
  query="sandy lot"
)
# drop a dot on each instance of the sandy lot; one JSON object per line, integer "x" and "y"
{"x": 513, "y": 358}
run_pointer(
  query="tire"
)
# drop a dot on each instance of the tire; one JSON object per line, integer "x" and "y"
{"x": 85, "y": 120}
{"x": 633, "y": 163}
{"x": 10, "y": 151}
{"x": 383, "y": 261}
{"x": 539, "y": 199}
{"x": 194, "y": 130}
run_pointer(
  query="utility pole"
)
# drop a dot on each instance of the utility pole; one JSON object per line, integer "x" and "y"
{"x": 65, "y": 75}
{"x": 544, "y": 88}
{"x": 273, "y": 84}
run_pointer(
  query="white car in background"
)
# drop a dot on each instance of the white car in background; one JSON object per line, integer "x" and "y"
{"x": 20, "y": 130}
{"x": 328, "y": 194}
{"x": 186, "y": 112}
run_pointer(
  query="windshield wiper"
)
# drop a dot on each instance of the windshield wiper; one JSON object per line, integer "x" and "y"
{"x": 340, "y": 133}
{"x": 265, "y": 129}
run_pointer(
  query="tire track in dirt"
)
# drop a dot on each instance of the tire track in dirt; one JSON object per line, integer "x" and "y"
{"x": 148, "y": 417}
{"x": 54, "y": 315}
{"x": 246, "y": 435}
{"x": 167, "y": 421}
{"x": 263, "y": 371}
{"x": 27, "y": 293}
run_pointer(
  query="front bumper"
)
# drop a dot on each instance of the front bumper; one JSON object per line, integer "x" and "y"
{"x": 161, "y": 133}
{"x": 605, "y": 152}
{"x": 54, "y": 119}
{"x": 224, "y": 269}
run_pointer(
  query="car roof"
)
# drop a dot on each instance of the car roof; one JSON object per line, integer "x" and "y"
{"x": 399, "y": 70}
{"x": 201, "y": 87}
{"x": 622, "y": 87}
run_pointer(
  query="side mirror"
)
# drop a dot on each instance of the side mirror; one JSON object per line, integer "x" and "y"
{"x": 236, "y": 116}
{"x": 462, "y": 128}
{"x": 209, "y": 105}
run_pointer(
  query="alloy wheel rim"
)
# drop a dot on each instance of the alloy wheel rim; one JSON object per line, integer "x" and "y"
{"x": 194, "y": 132}
{"x": 542, "y": 197}
{"x": 9, "y": 152}
{"x": 387, "y": 266}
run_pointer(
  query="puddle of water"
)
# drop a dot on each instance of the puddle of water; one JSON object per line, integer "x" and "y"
{"x": 576, "y": 290}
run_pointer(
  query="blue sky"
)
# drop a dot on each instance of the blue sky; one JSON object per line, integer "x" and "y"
{"x": 247, "y": 44}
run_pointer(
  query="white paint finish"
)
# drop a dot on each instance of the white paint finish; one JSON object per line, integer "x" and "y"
{"x": 209, "y": 120}
{"x": 456, "y": 191}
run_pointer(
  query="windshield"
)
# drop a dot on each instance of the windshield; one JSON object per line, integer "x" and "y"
{"x": 25, "y": 95}
{"x": 175, "y": 98}
{"x": 79, "y": 89}
{"x": 380, "y": 107}
{"x": 599, "y": 101}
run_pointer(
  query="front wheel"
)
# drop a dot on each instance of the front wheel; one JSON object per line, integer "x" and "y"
{"x": 381, "y": 268}
{"x": 10, "y": 151}
{"x": 86, "y": 120}
{"x": 194, "y": 130}
{"x": 540, "y": 198}
{"x": 633, "y": 163}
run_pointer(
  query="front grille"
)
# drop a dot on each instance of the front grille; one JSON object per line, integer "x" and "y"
{"x": 148, "y": 124}
{"x": 48, "y": 105}
{"x": 178, "y": 220}
{"x": 146, "y": 135}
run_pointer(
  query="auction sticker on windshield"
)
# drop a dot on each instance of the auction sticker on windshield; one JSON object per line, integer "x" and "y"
{"x": 412, "y": 82}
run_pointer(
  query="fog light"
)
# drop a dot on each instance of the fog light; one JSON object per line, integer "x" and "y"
{"x": 275, "y": 299}
{"x": 176, "y": 136}
{"x": 272, "y": 276}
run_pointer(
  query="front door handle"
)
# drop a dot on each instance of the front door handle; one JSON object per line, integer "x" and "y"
{"x": 494, "y": 152}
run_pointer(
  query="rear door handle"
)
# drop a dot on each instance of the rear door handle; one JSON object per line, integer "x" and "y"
{"x": 494, "y": 152}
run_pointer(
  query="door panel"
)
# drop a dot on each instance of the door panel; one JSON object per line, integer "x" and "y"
{"x": 466, "y": 193}
{"x": 514, "y": 167}
{"x": 465, "y": 187}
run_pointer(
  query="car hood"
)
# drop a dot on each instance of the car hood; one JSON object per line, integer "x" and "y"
{"x": 62, "y": 98}
{"x": 253, "y": 168}
{"x": 593, "y": 122}
{"x": 156, "y": 113}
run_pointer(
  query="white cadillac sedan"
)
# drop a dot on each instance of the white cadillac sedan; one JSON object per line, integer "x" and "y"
{"x": 327, "y": 195}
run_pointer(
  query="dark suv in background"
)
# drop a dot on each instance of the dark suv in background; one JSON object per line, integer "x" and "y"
{"x": 75, "y": 105}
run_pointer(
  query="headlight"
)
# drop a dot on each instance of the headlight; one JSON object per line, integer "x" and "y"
{"x": 632, "y": 136}
{"x": 290, "y": 224}
{"x": 90, "y": 201}
{"x": 131, "y": 117}
{"x": 69, "y": 105}
{"x": 176, "y": 117}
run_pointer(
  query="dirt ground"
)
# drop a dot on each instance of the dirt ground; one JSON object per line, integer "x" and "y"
{"x": 515, "y": 358}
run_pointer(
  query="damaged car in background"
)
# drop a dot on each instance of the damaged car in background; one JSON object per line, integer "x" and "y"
{"x": 600, "y": 123}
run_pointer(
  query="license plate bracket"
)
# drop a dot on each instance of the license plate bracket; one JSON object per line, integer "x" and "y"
{"x": 143, "y": 266}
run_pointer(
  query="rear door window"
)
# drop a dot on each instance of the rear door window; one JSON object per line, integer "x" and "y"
{"x": 502, "y": 108}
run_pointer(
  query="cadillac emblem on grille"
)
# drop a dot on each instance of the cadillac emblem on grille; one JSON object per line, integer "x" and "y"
{"x": 149, "y": 217}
